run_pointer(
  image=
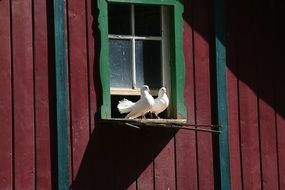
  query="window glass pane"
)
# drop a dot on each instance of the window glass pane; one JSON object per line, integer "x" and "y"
{"x": 147, "y": 20}
{"x": 120, "y": 63}
{"x": 148, "y": 63}
{"x": 119, "y": 19}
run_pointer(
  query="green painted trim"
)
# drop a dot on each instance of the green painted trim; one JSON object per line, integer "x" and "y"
{"x": 177, "y": 57}
{"x": 177, "y": 62}
{"x": 104, "y": 59}
{"x": 61, "y": 96}
{"x": 220, "y": 60}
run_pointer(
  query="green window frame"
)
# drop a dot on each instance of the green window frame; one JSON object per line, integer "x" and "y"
{"x": 177, "y": 65}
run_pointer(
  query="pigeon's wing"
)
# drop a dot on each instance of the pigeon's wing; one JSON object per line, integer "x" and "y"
{"x": 142, "y": 106}
{"x": 125, "y": 106}
{"x": 157, "y": 107}
{"x": 138, "y": 109}
{"x": 160, "y": 104}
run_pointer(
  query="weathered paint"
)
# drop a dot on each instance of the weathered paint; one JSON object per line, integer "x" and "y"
{"x": 42, "y": 80}
{"x": 266, "y": 113}
{"x": 24, "y": 99}
{"x": 61, "y": 95}
{"x": 6, "y": 114}
{"x": 249, "y": 123}
{"x": 202, "y": 34}
{"x": 78, "y": 82}
{"x": 164, "y": 163}
{"x": 23, "y": 91}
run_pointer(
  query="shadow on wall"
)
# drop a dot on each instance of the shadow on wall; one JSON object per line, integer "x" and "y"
{"x": 255, "y": 48}
{"x": 115, "y": 156}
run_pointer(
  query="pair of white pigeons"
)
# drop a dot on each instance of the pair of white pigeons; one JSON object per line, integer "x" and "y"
{"x": 145, "y": 104}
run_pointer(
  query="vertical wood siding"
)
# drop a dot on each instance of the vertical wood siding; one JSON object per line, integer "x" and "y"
{"x": 6, "y": 113}
{"x": 185, "y": 141}
{"x": 256, "y": 111}
{"x": 202, "y": 39}
{"x": 120, "y": 158}
{"x": 23, "y": 97}
{"x": 42, "y": 138}
{"x": 25, "y": 159}
{"x": 78, "y": 82}
{"x": 113, "y": 157}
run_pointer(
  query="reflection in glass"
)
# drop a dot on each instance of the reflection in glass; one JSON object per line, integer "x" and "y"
{"x": 148, "y": 63}
{"x": 120, "y": 63}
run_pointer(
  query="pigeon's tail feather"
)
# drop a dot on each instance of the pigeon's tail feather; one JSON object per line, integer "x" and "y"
{"x": 125, "y": 105}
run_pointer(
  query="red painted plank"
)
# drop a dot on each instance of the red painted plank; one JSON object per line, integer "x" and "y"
{"x": 23, "y": 94}
{"x": 203, "y": 102}
{"x": 125, "y": 158}
{"x": 279, "y": 78}
{"x": 43, "y": 152}
{"x": 78, "y": 78}
{"x": 186, "y": 160}
{"x": 248, "y": 108}
{"x": 280, "y": 120}
{"x": 164, "y": 162}
{"x": 91, "y": 61}
{"x": 266, "y": 107}
{"x": 234, "y": 136}
{"x": 268, "y": 146}
{"x": 145, "y": 179}
{"x": 249, "y": 137}
{"x": 5, "y": 98}
{"x": 202, "y": 33}
{"x": 280, "y": 101}
{"x": 145, "y": 157}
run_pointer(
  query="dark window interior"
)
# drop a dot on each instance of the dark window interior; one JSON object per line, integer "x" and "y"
{"x": 147, "y": 19}
{"x": 148, "y": 63}
{"x": 119, "y": 19}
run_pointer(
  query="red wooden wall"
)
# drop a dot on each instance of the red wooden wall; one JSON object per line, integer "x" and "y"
{"x": 256, "y": 94}
{"x": 25, "y": 120}
{"x": 113, "y": 157}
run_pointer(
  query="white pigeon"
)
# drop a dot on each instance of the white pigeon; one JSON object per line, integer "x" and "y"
{"x": 160, "y": 103}
{"x": 140, "y": 108}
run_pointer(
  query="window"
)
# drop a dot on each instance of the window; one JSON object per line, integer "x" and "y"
{"x": 137, "y": 50}
{"x": 141, "y": 44}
